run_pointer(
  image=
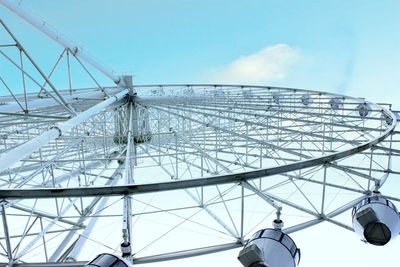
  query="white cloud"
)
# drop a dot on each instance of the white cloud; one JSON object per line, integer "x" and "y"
{"x": 269, "y": 64}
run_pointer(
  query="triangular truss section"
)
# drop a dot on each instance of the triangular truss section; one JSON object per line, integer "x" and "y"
{"x": 23, "y": 78}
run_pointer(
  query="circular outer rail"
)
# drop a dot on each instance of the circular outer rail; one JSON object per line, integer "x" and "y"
{"x": 214, "y": 180}
{"x": 214, "y": 158}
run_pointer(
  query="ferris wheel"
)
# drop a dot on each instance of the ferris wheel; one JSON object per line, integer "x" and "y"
{"x": 150, "y": 173}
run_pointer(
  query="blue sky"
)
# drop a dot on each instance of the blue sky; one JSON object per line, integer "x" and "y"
{"x": 349, "y": 47}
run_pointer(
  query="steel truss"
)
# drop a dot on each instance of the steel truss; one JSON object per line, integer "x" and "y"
{"x": 176, "y": 170}
{"x": 197, "y": 154}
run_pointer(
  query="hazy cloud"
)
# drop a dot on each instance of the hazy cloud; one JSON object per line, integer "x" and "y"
{"x": 268, "y": 64}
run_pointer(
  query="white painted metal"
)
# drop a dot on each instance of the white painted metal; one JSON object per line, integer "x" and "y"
{"x": 37, "y": 103}
{"x": 219, "y": 143}
{"x": 205, "y": 163}
{"x": 59, "y": 38}
{"x": 7, "y": 235}
{"x": 20, "y": 152}
{"x": 100, "y": 203}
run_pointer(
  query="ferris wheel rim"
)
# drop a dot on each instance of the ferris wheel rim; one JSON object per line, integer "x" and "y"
{"x": 241, "y": 177}
{"x": 236, "y": 177}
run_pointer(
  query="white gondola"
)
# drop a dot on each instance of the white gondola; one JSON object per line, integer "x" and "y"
{"x": 247, "y": 94}
{"x": 270, "y": 248}
{"x": 277, "y": 97}
{"x": 364, "y": 109}
{"x": 387, "y": 118}
{"x": 108, "y": 260}
{"x": 306, "y": 100}
{"x": 336, "y": 103}
{"x": 376, "y": 220}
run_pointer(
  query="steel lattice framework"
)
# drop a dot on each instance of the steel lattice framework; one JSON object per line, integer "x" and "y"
{"x": 84, "y": 170}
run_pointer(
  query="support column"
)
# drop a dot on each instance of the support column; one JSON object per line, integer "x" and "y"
{"x": 7, "y": 235}
{"x": 129, "y": 179}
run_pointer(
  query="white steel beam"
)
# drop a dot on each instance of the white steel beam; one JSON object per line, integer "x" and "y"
{"x": 187, "y": 253}
{"x": 129, "y": 179}
{"x": 41, "y": 103}
{"x": 233, "y": 233}
{"x": 16, "y": 8}
{"x": 11, "y": 157}
{"x": 28, "y": 247}
{"x": 7, "y": 235}
{"x": 101, "y": 203}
